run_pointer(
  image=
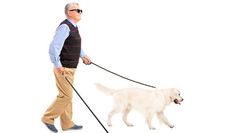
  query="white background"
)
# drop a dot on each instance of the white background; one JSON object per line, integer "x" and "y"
{"x": 187, "y": 44}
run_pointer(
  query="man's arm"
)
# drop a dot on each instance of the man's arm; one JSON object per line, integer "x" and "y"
{"x": 62, "y": 32}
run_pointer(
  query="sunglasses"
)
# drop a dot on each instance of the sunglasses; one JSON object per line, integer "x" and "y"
{"x": 77, "y": 10}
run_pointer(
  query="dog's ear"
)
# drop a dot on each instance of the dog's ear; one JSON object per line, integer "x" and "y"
{"x": 168, "y": 95}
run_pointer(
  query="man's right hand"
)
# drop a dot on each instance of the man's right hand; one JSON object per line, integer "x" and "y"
{"x": 60, "y": 70}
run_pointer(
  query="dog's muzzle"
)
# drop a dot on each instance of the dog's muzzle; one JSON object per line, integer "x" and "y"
{"x": 176, "y": 101}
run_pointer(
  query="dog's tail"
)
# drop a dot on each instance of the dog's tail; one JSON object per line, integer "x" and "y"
{"x": 104, "y": 89}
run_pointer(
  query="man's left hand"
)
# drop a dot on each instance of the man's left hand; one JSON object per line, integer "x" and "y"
{"x": 86, "y": 60}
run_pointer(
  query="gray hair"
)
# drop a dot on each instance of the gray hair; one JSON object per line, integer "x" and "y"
{"x": 69, "y": 5}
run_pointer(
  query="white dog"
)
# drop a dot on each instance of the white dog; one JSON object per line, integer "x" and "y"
{"x": 148, "y": 102}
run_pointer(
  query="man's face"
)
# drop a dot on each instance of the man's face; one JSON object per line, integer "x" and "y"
{"x": 74, "y": 13}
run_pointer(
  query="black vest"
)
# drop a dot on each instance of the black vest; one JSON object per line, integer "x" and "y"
{"x": 70, "y": 52}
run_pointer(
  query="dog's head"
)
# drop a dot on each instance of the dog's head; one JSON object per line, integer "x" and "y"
{"x": 174, "y": 95}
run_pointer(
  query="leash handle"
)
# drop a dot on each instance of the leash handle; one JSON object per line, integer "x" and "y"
{"x": 122, "y": 76}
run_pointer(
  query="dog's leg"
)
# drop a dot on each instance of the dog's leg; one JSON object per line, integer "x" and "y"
{"x": 114, "y": 111}
{"x": 125, "y": 114}
{"x": 149, "y": 117}
{"x": 163, "y": 118}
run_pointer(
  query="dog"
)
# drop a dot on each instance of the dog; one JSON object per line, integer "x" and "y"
{"x": 148, "y": 102}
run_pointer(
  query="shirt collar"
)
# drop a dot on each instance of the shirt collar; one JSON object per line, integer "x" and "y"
{"x": 74, "y": 24}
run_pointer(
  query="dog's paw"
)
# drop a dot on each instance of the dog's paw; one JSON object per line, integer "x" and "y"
{"x": 130, "y": 125}
{"x": 152, "y": 128}
{"x": 171, "y": 126}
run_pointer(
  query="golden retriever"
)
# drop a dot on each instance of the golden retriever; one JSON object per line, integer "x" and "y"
{"x": 148, "y": 102}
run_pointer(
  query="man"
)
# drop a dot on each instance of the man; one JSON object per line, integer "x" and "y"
{"x": 65, "y": 51}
